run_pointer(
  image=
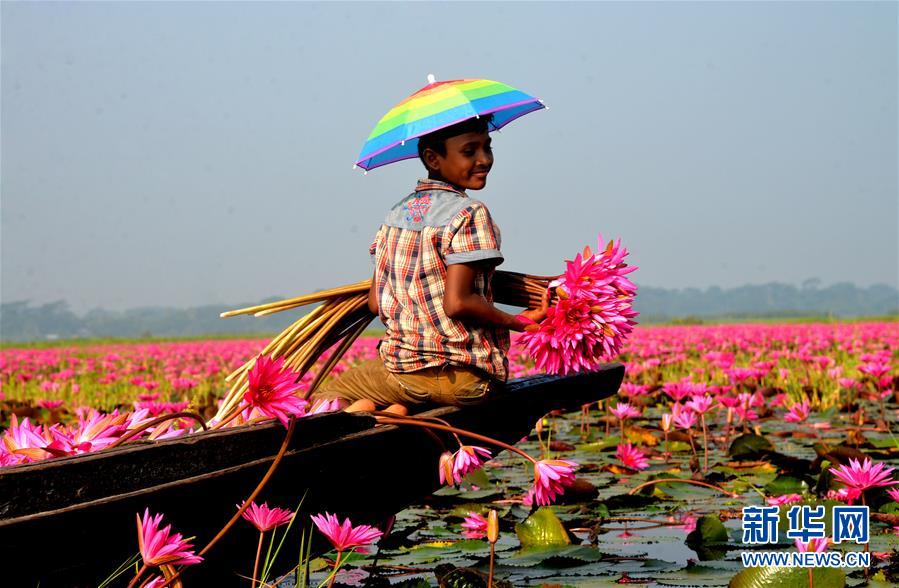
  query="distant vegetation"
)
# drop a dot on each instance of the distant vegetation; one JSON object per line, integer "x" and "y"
{"x": 20, "y": 321}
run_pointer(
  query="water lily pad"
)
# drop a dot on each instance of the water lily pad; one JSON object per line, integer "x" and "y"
{"x": 786, "y": 485}
{"x": 413, "y": 583}
{"x": 542, "y": 529}
{"x": 890, "y": 508}
{"x": 600, "y": 445}
{"x": 749, "y": 447}
{"x": 449, "y": 576}
{"x": 771, "y": 577}
{"x": 709, "y": 529}
{"x": 456, "y": 494}
{"x": 558, "y": 555}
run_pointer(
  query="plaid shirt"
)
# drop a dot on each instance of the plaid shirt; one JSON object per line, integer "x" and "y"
{"x": 432, "y": 228}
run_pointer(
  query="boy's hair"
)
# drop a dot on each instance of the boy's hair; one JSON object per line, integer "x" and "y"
{"x": 437, "y": 139}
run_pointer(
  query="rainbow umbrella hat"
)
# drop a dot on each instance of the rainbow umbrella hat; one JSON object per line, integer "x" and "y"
{"x": 438, "y": 105}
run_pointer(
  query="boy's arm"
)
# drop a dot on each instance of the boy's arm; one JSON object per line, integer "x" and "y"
{"x": 462, "y": 303}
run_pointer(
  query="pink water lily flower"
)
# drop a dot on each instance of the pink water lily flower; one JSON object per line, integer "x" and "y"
{"x": 684, "y": 418}
{"x": 783, "y": 499}
{"x": 631, "y": 389}
{"x": 875, "y": 369}
{"x": 475, "y": 526}
{"x": 551, "y": 477}
{"x": 701, "y": 404}
{"x": 847, "y": 495}
{"x": 50, "y": 404}
{"x": 272, "y": 390}
{"x": 688, "y": 522}
{"x": 264, "y": 518}
{"x": 24, "y": 441}
{"x": 445, "y": 468}
{"x": 624, "y": 410}
{"x": 467, "y": 459}
{"x": 893, "y": 493}
{"x": 344, "y": 535}
{"x": 816, "y": 545}
{"x": 798, "y": 412}
{"x": 862, "y": 476}
{"x": 631, "y": 457}
{"x": 161, "y": 546}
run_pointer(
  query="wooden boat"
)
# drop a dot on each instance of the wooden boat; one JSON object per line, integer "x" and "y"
{"x": 71, "y": 521}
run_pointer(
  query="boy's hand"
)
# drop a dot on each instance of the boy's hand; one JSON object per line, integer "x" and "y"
{"x": 538, "y": 314}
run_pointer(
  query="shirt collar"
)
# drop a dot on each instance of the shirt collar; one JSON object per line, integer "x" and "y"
{"x": 425, "y": 184}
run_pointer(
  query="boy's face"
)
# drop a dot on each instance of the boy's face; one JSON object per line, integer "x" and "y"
{"x": 467, "y": 162}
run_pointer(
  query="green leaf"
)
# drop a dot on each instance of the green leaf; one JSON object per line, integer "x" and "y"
{"x": 677, "y": 446}
{"x": 478, "y": 478}
{"x": 560, "y": 555}
{"x": 542, "y": 529}
{"x": 601, "y": 445}
{"x": 890, "y": 508}
{"x": 602, "y": 511}
{"x": 749, "y": 447}
{"x": 882, "y": 442}
{"x": 413, "y": 583}
{"x": 455, "y": 494}
{"x": 771, "y": 577}
{"x": 709, "y": 529}
{"x": 450, "y": 577}
{"x": 786, "y": 484}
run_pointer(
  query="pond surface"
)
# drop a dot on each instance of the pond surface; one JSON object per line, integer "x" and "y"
{"x": 605, "y": 549}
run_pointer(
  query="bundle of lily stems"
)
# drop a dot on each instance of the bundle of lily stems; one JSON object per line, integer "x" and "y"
{"x": 338, "y": 321}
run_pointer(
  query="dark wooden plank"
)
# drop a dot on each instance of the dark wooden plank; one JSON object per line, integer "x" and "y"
{"x": 58, "y": 483}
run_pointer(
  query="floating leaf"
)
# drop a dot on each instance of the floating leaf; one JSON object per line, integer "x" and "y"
{"x": 786, "y": 485}
{"x": 413, "y": 583}
{"x": 600, "y": 445}
{"x": 558, "y": 556}
{"x": 449, "y": 576}
{"x": 749, "y": 447}
{"x": 771, "y": 577}
{"x": 542, "y": 529}
{"x": 889, "y": 508}
{"x": 478, "y": 478}
{"x": 709, "y": 529}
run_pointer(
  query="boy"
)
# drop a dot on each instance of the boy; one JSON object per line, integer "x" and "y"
{"x": 434, "y": 256}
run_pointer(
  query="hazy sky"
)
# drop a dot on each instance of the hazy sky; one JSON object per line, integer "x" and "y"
{"x": 188, "y": 153}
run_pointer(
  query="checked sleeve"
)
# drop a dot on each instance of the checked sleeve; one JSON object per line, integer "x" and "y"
{"x": 472, "y": 236}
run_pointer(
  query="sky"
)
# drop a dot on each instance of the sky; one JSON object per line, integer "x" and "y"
{"x": 180, "y": 154}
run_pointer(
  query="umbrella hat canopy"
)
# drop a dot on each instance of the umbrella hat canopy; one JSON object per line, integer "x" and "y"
{"x": 439, "y": 105}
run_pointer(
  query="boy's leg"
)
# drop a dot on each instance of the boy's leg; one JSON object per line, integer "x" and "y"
{"x": 448, "y": 385}
{"x": 368, "y": 380}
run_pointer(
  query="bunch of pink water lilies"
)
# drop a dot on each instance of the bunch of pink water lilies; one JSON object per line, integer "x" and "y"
{"x": 162, "y": 548}
{"x": 593, "y": 315}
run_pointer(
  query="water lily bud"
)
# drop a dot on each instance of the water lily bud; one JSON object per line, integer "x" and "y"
{"x": 666, "y": 422}
{"x": 492, "y": 527}
{"x": 445, "y": 468}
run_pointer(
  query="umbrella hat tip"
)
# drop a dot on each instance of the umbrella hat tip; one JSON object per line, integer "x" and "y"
{"x": 431, "y": 78}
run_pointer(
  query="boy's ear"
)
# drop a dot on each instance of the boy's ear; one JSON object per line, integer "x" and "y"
{"x": 430, "y": 158}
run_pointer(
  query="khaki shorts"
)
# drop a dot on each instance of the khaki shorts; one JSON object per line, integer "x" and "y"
{"x": 445, "y": 384}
